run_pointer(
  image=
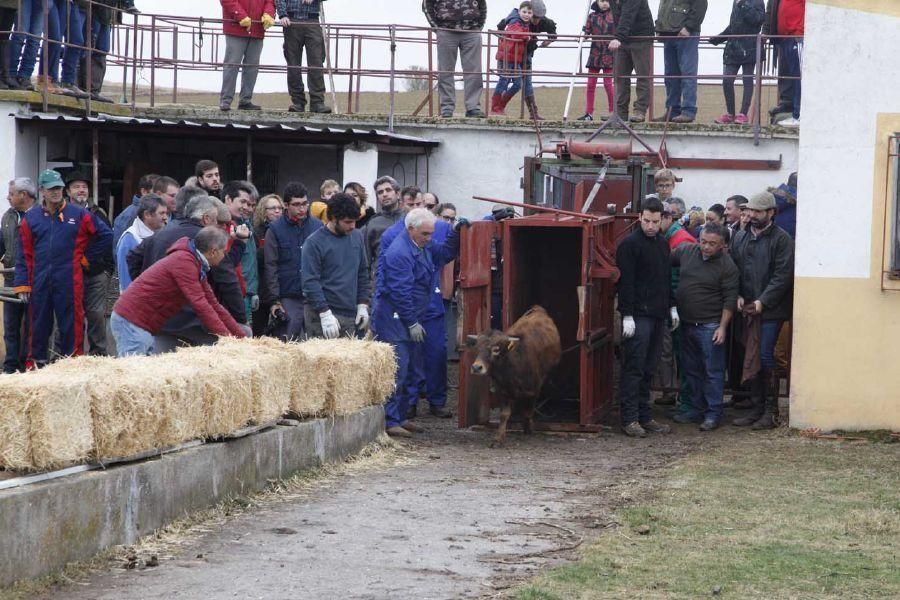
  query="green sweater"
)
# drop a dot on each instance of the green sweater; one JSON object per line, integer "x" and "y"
{"x": 707, "y": 286}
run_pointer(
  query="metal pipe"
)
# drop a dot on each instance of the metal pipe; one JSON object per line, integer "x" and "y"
{"x": 327, "y": 32}
{"x": 757, "y": 84}
{"x": 430, "y": 73}
{"x": 175, "y": 66}
{"x": 544, "y": 209}
{"x": 89, "y": 39}
{"x": 153, "y": 60}
{"x": 134, "y": 51}
{"x": 95, "y": 162}
{"x": 393, "y": 65}
{"x": 577, "y": 65}
{"x": 350, "y": 78}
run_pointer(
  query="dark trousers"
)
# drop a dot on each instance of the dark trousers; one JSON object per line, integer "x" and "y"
{"x": 100, "y": 40}
{"x": 13, "y": 334}
{"x": 704, "y": 367}
{"x": 641, "y": 353}
{"x": 96, "y": 290}
{"x": 397, "y": 405}
{"x": 633, "y": 56}
{"x": 312, "y": 322}
{"x": 297, "y": 36}
{"x": 681, "y": 56}
{"x": 789, "y": 57}
{"x": 728, "y": 87}
{"x": 768, "y": 337}
{"x": 7, "y": 20}
{"x": 294, "y": 328}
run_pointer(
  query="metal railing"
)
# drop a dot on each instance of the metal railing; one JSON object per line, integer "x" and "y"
{"x": 160, "y": 51}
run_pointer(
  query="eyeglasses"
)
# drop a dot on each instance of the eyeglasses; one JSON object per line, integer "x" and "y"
{"x": 299, "y": 204}
{"x": 273, "y": 208}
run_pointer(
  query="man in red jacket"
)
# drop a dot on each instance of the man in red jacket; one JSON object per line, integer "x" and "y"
{"x": 171, "y": 283}
{"x": 245, "y": 25}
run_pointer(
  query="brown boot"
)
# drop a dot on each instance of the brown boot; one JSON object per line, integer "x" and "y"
{"x": 533, "y": 109}
{"x": 44, "y": 82}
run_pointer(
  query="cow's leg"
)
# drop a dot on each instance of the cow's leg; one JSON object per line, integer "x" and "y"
{"x": 505, "y": 412}
{"x": 528, "y": 415}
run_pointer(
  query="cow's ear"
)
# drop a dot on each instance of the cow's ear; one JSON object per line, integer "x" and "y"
{"x": 471, "y": 340}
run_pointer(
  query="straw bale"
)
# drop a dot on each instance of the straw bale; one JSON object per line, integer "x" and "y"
{"x": 223, "y": 387}
{"x": 348, "y": 373}
{"x": 270, "y": 367}
{"x": 46, "y": 422}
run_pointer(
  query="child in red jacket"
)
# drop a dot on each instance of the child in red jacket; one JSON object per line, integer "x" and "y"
{"x": 599, "y": 23}
{"x": 511, "y": 58}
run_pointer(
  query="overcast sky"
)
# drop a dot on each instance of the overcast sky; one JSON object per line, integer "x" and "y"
{"x": 568, "y": 14}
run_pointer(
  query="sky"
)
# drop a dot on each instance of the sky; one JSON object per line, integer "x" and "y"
{"x": 569, "y": 15}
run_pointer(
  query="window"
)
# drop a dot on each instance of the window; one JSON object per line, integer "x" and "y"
{"x": 891, "y": 258}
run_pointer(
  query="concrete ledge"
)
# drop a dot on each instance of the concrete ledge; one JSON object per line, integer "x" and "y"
{"x": 44, "y": 526}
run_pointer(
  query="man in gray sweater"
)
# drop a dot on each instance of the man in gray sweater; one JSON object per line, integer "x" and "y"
{"x": 706, "y": 298}
{"x": 335, "y": 274}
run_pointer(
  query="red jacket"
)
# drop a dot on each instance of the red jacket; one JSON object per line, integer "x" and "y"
{"x": 233, "y": 11}
{"x": 681, "y": 237}
{"x": 511, "y": 48}
{"x": 163, "y": 289}
{"x": 791, "y": 17}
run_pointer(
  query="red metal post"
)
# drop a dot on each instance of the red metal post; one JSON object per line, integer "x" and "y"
{"x": 430, "y": 73}
{"x": 359, "y": 44}
{"x": 90, "y": 62}
{"x": 175, "y": 65}
{"x": 134, "y": 57}
{"x": 487, "y": 77}
{"x": 153, "y": 60}
{"x": 350, "y": 78}
{"x": 652, "y": 79}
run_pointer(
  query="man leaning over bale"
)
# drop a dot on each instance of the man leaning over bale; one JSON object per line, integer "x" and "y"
{"x": 176, "y": 281}
{"x": 335, "y": 274}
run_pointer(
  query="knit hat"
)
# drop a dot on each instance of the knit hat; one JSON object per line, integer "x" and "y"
{"x": 539, "y": 8}
{"x": 762, "y": 201}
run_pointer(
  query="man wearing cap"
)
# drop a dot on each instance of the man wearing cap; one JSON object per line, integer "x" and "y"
{"x": 96, "y": 277}
{"x": 764, "y": 255}
{"x": 58, "y": 240}
{"x": 458, "y": 25}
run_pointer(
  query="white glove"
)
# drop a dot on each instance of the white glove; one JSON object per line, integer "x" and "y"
{"x": 628, "y": 327}
{"x": 675, "y": 319}
{"x": 254, "y": 303}
{"x": 362, "y": 317}
{"x": 330, "y": 326}
{"x": 416, "y": 333}
{"x": 24, "y": 297}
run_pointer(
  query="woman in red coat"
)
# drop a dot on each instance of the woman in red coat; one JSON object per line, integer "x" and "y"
{"x": 245, "y": 24}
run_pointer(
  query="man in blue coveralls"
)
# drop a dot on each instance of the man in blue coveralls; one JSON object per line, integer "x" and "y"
{"x": 405, "y": 282}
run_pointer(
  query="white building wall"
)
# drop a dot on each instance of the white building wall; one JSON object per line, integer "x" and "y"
{"x": 834, "y": 220}
{"x": 489, "y": 162}
{"x": 361, "y": 165}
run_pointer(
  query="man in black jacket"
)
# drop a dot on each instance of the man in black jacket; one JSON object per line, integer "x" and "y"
{"x": 645, "y": 301}
{"x": 633, "y": 20}
{"x": 764, "y": 255}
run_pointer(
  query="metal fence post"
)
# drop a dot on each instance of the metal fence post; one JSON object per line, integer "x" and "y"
{"x": 393, "y": 67}
{"x": 153, "y": 60}
{"x": 757, "y": 127}
{"x": 89, "y": 62}
{"x": 175, "y": 65}
{"x": 430, "y": 73}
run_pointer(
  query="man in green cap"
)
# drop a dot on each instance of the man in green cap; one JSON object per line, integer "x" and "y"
{"x": 58, "y": 240}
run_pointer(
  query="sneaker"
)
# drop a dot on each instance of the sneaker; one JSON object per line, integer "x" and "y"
{"x": 709, "y": 425}
{"x": 410, "y": 426}
{"x": 585, "y": 117}
{"x": 634, "y": 429}
{"x": 397, "y": 431}
{"x": 725, "y": 119}
{"x": 654, "y": 427}
{"x": 475, "y": 114}
{"x": 792, "y": 122}
{"x": 440, "y": 412}
{"x": 741, "y": 119}
{"x": 683, "y": 118}
{"x": 638, "y": 117}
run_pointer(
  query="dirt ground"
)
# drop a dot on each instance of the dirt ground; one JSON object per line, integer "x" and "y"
{"x": 443, "y": 517}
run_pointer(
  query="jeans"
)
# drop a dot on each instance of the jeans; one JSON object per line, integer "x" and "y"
{"x": 240, "y": 52}
{"x": 466, "y": 45}
{"x": 728, "y": 87}
{"x": 509, "y": 80}
{"x": 56, "y": 24}
{"x": 131, "y": 340}
{"x": 681, "y": 56}
{"x": 768, "y": 337}
{"x": 641, "y": 353}
{"x": 23, "y": 48}
{"x": 790, "y": 50}
{"x": 704, "y": 366}
{"x": 74, "y": 39}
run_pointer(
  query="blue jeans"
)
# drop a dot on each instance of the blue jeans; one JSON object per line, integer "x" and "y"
{"x": 681, "y": 56}
{"x": 56, "y": 21}
{"x": 131, "y": 340}
{"x": 641, "y": 354}
{"x": 101, "y": 36}
{"x": 74, "y": 39}
{"x": 529, "y": 87}
{"x": 789, "y": 54}
{"x": 508, "y": 82}
{"x": 768, "y": 337}
{"x": 704, "y": 367}
{"x": 23, "y": 46}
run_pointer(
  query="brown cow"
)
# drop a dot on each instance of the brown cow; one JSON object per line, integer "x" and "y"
{"x": 518, "y": 361}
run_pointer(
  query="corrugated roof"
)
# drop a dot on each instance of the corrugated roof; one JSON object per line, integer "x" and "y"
{"x": 373, "y": 135}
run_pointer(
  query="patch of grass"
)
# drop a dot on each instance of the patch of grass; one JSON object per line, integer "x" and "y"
{"x": 761, "y": 517}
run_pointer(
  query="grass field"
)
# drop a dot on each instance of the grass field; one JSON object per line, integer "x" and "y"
{"x": 777, "y": 517}
{"x": 551, "y": 101}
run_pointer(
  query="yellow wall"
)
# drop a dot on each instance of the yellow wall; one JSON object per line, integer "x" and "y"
{"x": 845, "y": 368}
{"x": 883, "y": 7}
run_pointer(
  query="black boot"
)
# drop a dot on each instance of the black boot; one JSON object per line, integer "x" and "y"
{"x": 769, "y": 418}
{"x": 758, "y": 399}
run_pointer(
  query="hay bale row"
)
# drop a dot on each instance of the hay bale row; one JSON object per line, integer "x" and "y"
{"x": 103, "y": 408}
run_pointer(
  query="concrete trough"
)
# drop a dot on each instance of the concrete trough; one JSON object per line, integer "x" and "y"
{"x": 44, "y": 526}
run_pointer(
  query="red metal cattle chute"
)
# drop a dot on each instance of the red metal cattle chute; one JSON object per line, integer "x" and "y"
{"x": 560, "y": 260}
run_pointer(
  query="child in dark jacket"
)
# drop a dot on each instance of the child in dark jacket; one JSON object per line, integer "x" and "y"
{"x": 747, "y": 17}
{"x": 599, "y": 23}
{"x": 511, "y": 58}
